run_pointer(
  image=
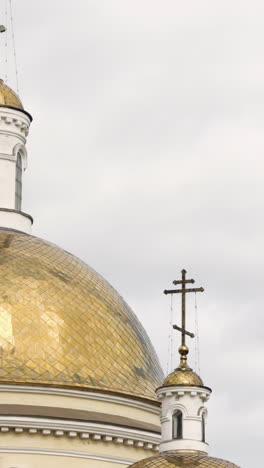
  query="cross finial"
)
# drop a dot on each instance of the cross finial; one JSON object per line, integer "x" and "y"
{"x": 183, "y": 350}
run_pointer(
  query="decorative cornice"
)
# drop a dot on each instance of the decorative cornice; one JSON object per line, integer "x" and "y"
{"x": 180, "y": 391}
{"x": 107, "y": 397}
{"x": 68, "y": 453}
{"x": 14, "y": 125}
{"x": 17, "y": 110}
{"x": 84, "y": 430}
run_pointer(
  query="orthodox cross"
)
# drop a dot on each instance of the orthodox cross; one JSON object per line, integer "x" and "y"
{"x": 183, "y": 292}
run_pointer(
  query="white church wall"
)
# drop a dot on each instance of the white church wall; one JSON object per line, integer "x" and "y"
{"x": 38, "y": 440}
{"x": 7, "y": 183}
{"x": 38, "y": 450}
{"x": 16, "y": 220}
{"x": 79, "y": 400}
{"x": 60, "y": 460}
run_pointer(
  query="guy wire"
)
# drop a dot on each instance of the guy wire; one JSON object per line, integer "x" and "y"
{"x": 172, "y": 334}
{"x": 170, "y": 340}
{"x": 6, "y": 39}
{"x": 14, "y": 44}
{"x": 197, "y": 345}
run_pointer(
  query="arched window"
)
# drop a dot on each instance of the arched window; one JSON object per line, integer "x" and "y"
{"x": 177, "y": 425}
{"x": 203, "y": 428}
{"x": 18, "y": 197}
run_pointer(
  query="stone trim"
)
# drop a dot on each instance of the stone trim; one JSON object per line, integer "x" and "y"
{"x": 71, "y": 414}
{"x": 18, "y": 110}
{"x": 15, "y": 124}
{"x": 68, "y": 453}
{"x": 107, "y": 397}
{"x": 178, "y": 391}
{"x": 10, "y": 210}
{"x": 75, "y": 429}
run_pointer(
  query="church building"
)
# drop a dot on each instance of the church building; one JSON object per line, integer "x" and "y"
{"x": 78, "y": 372}
{"x": 80, "y": 383}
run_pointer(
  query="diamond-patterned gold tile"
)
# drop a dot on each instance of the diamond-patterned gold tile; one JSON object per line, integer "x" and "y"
{"x": 62, "y": 324}
{"x": 183, "y": 377}
{"x": 8, "y": 97}
{"x": 175, "y": 459}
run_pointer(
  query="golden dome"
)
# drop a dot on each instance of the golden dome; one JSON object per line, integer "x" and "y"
{"x": 183, "y": 374}
{"x": 62, "y": 324}
{"x": 8, "y": 98}
{"x": 176, "y": 459}
{"x": 183, "y": 377}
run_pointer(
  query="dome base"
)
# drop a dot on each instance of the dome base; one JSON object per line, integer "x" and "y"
{"x": 184, "y": 444}
{"x": 16, "y": 220}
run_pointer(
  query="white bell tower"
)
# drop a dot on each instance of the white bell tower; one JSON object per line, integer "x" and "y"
{"x": 14, "y": 127}
{"x": 183, "y": 411}
{"x": 183, "y": 394}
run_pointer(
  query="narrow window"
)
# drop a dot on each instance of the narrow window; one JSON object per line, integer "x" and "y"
{"x": 177, "y": 425}
{"x": 18, "y": 196}
{"x": 203, "y": 428}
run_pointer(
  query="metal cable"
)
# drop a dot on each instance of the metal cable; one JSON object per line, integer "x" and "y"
{"x": 170, "y": 340}
{"x": 6, "y": 44}
{"x": 197, "y": 344}
{"x": 195, "y": 339}
{"x": 14, "y": 44}
{"x": 172, "y": 334}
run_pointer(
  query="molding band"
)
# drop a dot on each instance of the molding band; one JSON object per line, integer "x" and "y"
{"x": 18, "y": 110}
{"x": 68, "y": 453}
{"x": 10, "y": 210}
{"x": 76, "y": 429}
{"x": 81, "y": 394}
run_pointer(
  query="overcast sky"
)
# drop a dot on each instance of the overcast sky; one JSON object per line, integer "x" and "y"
{"x": 146, "y": 157}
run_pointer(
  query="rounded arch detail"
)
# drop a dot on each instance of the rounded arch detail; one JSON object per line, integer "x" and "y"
{"x": 177, "y": 407}
{"x": 202, "y": 412}
{"x": 21, "y": 149}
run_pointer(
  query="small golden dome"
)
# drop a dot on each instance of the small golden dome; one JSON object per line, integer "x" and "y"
{"x": 178, "y": 459}
{"x": 183, "y": 377}
{"x": 63, "y": 325}
{"x": 183, "y": 374}
{"x": 8, "y": 98}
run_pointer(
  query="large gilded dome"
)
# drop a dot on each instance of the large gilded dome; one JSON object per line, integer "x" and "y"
{"x": 62, "y": 324}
